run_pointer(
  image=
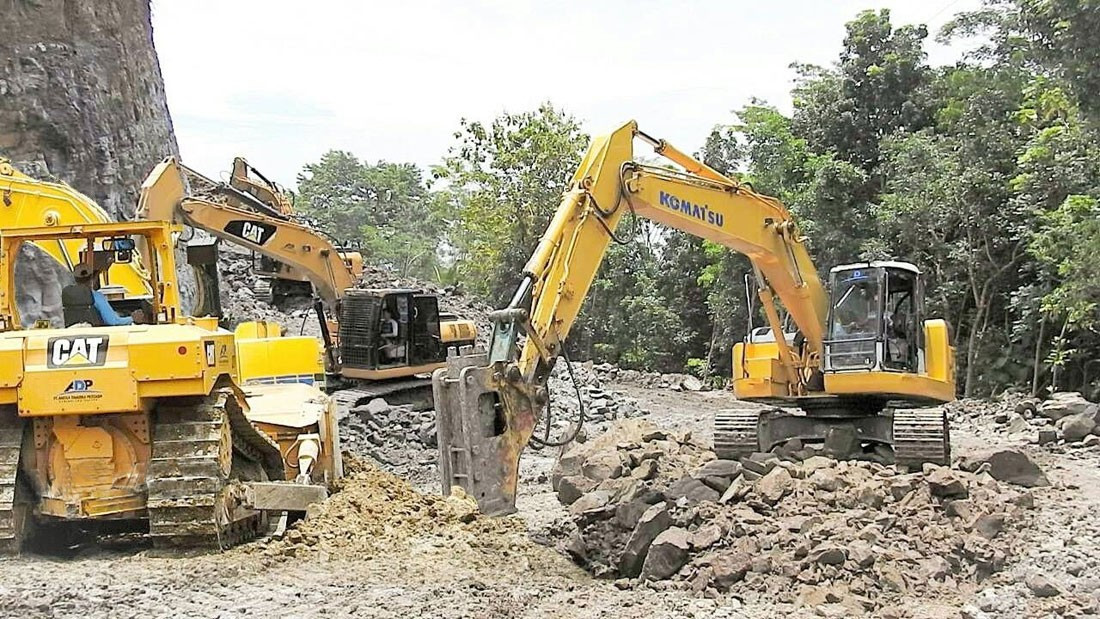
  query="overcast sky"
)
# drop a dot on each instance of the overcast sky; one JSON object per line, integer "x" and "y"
{"x": 281, "y": 82}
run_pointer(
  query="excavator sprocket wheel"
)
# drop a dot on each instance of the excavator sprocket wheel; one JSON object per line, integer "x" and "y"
{"x": 194, "y": 495}
{"x": 736, "y": 433}
{"x": 921, "y": 436}
{"x": 263, "y": 290}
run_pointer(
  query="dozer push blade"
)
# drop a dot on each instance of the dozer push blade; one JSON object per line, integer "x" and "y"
{"x": 482, "y": 427}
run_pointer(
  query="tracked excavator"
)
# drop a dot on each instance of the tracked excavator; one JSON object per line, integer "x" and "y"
{"x": 378, "y": 342}
{"x": 169, "y": 426}
{"x": 856, "y": 375}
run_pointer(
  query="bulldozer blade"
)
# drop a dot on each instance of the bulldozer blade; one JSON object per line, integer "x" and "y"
{"x": 482, "y": 427}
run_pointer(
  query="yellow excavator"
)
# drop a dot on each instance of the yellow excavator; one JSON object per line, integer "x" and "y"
{"x": 379, "y": 342}
{"x": 861, "y": 356}
{"x": 168, "y": 425}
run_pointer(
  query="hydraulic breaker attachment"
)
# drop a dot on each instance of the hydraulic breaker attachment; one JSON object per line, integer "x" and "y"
{"x": 483, "y": 422}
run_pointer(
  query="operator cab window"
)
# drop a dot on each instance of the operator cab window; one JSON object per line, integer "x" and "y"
{"x": 855, "y": 323}
{"x": 901, "y": 321}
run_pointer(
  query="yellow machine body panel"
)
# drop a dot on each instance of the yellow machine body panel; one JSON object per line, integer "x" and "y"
{"x": 454, "y": 331}
{"x": 92, "y": 370}
{"x": 31, "y": 203}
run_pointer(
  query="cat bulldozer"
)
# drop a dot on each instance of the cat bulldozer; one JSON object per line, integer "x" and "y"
{"x": 860, "y": 375}
{"x": 379, "y": 342}
{"x": 167, "y": 425}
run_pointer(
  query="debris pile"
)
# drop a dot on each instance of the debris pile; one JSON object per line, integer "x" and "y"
{"x": 649, "y": 505}
{"x": 654, "y": 380}
{"x": 1062, "y": 420}
{"x": 399, "y": 438}
{"x": 376, "y": 512}
{"x": 403, "y": 440}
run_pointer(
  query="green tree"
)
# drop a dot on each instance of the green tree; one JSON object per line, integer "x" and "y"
{"x": 385, "y": 207}
{"x": 504, "y": 181}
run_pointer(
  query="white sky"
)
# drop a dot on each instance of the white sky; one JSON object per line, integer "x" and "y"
{"x": 281, "y": 81}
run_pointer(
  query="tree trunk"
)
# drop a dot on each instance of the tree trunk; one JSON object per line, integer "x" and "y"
{"x": 1038, "y": 357}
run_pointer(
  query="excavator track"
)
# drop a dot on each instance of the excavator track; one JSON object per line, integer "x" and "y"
{"x": 359, "y": 395}
{"x": 201, "y": 448}
{"x": 921, "y": 436}
{"x": 14, "y": 517}
{"x": 736, "y": 433}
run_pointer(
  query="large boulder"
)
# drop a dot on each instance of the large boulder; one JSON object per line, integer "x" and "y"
{"x": 653, "y": 522}
{"x": 667, "y": 554}
{"x": 1064, "y": 404}
{"x": 1077, "y": 426}
{"x": 1012, "y": 466}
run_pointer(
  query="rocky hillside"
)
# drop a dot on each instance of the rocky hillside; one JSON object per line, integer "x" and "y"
{"x": 82, "y": 100}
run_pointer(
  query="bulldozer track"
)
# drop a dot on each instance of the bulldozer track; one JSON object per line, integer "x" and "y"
{"x": 11, "y": 519}
{"x": 202, "y": 448}
{"x": 921, "y": 436}
{"x": 736, "y": 433}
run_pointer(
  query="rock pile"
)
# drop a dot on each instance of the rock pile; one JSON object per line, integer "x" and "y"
{"x": 399, "y": 438}
{"x": 654, "y": 380}
{"x": 1064, "y": 419}
{"x": 653, "y": 507}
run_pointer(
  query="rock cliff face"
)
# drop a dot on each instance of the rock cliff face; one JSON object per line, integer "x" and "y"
{"x": 81, "y": 99}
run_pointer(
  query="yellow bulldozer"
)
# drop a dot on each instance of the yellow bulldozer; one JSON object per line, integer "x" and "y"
{"x": 162, "y": 423}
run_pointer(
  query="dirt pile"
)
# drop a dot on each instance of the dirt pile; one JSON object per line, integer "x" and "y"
{"x": 654, "y": 506}
{"x": 375, "y": 514}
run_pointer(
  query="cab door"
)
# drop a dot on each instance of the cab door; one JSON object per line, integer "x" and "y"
{"x": 426, "y": 345}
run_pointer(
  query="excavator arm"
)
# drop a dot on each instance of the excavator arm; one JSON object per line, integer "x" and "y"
{"x": 164, "y": 196}
{"x": 488, "y": 408}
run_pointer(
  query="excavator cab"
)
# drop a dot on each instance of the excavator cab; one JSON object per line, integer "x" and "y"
{"x": 874, "y": 316}
{"x": 389, "y": 332}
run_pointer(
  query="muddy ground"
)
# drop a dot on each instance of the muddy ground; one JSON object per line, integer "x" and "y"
{"x": 400, "y": 564}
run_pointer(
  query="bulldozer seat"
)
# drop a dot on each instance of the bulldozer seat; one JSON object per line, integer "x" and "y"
{"x": 78, "y": 305}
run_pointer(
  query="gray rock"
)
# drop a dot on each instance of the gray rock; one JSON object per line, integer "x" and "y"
{"x": 719, "y": 484}
{"x": 1063, "y": 404}
{"x": 1047, "y": 436}
{"x": 1076, "y": 427}
{"x": 1015, "y": 467}
{"x": 827, "y": 479}
{"x": 693, "y": 490}
{"x": 646, "y": 469}
{"x": 627, "y": 514}
{"x": 730, "y": 567}
{"x": 653, "y": 522}
{"x": 667, "y": 554}
{"x": 572, "y": 487}
{"x": 775, "y": 485}
{"x": 1041, "y": 586}
{"x": 690, "y": 383}
{"x": 829, "y": 554}
{"x": 760, "y": 463}
{"x": 718, "y": 468}
{"x": 591, "y": 505}
{"x": 943, "y": 483}
{"x": 377, "y": 407}
{"x": 990, "y": 525}
{"x": 706, "y": 536}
